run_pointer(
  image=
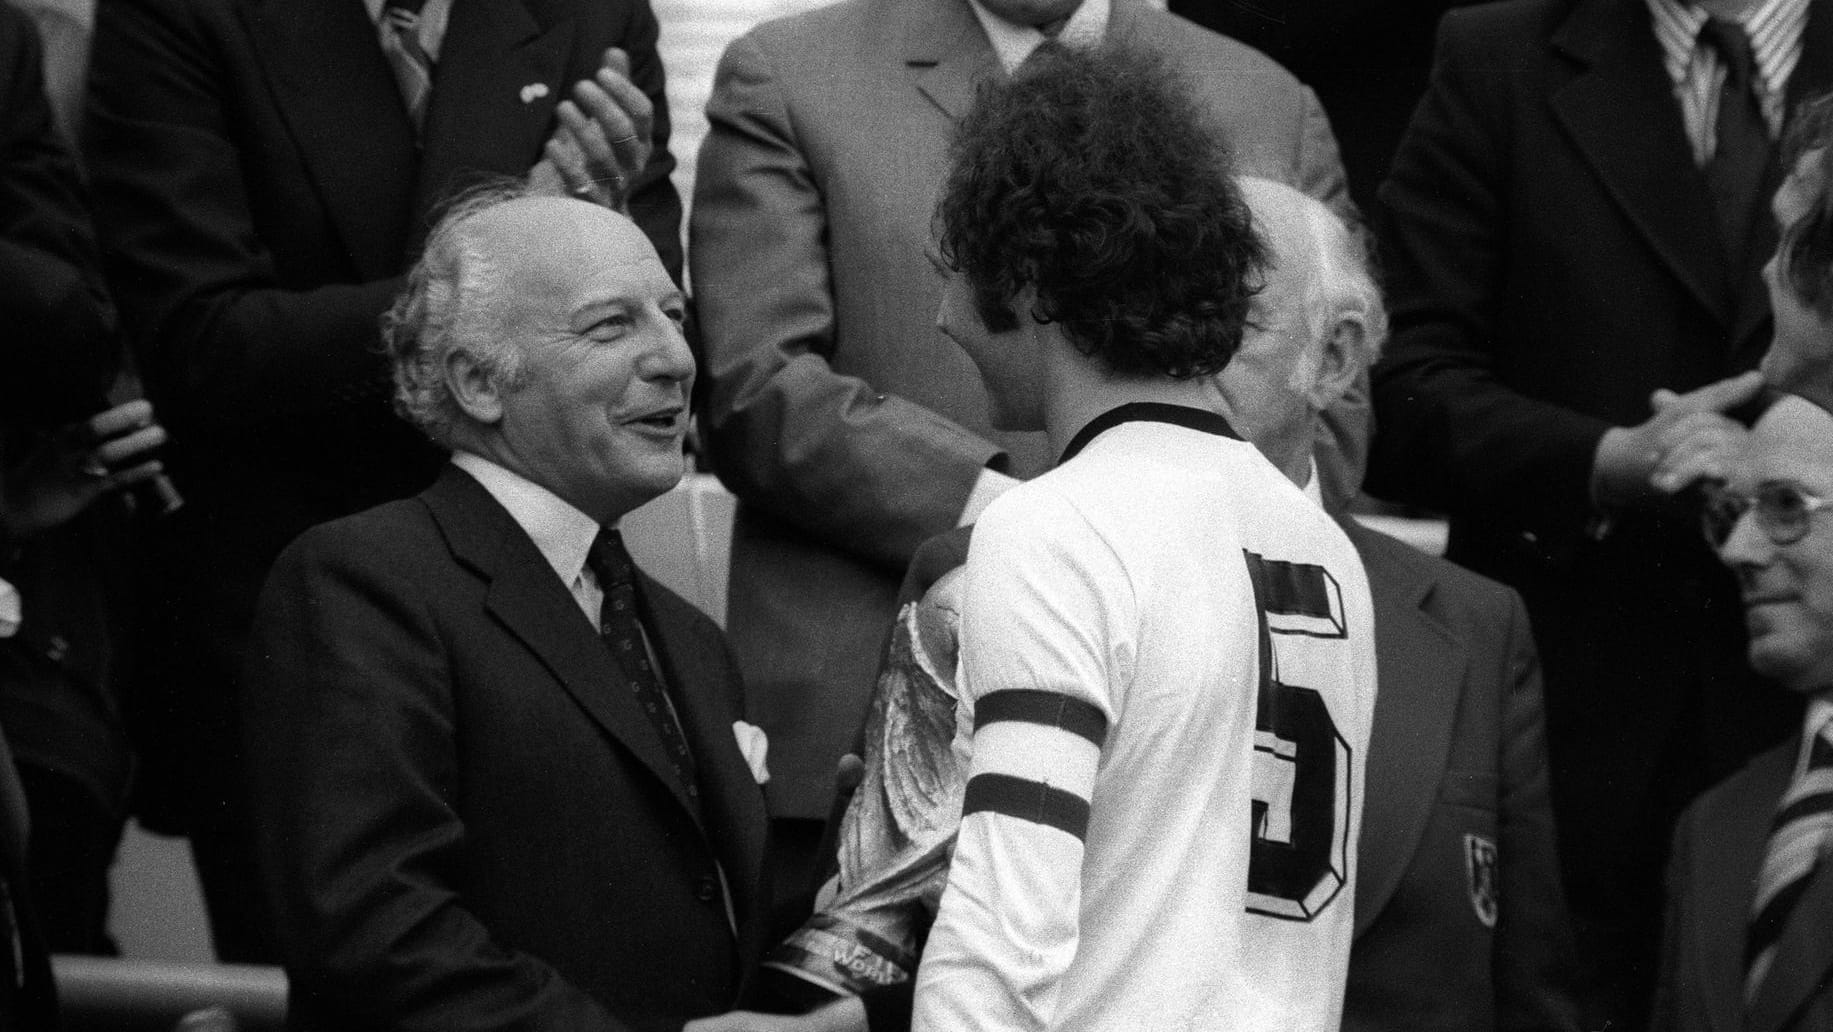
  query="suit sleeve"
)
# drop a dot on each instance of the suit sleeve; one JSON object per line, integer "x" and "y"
{"x": 1453, "y": 434}
{"x": 1038, "y": 619}
{"x": 1533, "y": 941}
{"x": 349, "y": 735}
{"x": 868, "y": 472}
{"x": 213, "y": 325}
{"x": 59, "y": 319}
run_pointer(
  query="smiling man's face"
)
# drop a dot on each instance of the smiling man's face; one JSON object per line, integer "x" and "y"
{"x": 1788, "y": 588}
{"x": 598, "y": 411}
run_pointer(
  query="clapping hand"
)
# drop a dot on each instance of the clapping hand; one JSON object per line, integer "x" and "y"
{"x": 603, "y": 139}
{"x": 78, "y": 464}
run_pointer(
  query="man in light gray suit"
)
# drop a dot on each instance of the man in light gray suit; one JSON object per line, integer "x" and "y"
{"x": 850, "y": 429}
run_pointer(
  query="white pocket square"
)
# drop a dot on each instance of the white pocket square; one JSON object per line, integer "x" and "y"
{"x": 754, "y": 745}
{"x": 533, "y": 91}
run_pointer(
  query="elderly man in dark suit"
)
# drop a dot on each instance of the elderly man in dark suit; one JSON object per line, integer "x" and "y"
{"x": 1574, "y": 221}
{"x": 264, "y": 172}
{"x": 848, "y": 427}
{"x": 499, "y": 775}
{"x": 1749, "y": 940}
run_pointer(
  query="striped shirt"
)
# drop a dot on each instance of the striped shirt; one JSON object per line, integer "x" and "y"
{"x": 1775, "y": 29}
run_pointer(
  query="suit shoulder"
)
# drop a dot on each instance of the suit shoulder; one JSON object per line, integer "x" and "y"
{"x": 802, "y": 39}
{"x": 1211, "y": 52}
{"x": 374, "y": 537}
{"x": 1385, "y": 557}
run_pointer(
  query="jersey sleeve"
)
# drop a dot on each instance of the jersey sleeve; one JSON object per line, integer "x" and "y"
{"x": 1043, "y": 649}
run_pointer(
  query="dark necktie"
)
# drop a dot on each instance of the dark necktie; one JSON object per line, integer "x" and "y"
{"x": 407, "y": 56}
{"x": 1735, "y": 172}
{"x": 1795, "y": 841}
{"x": 619, "y": 627}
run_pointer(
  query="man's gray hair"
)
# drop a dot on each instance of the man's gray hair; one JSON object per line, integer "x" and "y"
{"x": 453, "y": 303}
{"x": 1345, "y": 282}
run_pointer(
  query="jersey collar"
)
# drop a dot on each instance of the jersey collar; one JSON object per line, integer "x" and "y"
{"x": 1149, "y": 412}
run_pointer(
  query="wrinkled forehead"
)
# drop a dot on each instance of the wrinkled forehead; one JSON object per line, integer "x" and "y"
{"x": 1794, "y": 442}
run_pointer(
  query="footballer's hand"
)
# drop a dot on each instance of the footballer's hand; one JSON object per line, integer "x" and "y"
{"x": 1687, "y": 438}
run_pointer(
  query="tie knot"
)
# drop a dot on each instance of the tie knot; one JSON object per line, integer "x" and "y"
{"x": 610, "y": 560}
{"x": 1733, "y": 46}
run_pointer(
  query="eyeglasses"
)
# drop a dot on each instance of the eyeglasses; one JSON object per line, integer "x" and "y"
{"x": 1783, "y": 512}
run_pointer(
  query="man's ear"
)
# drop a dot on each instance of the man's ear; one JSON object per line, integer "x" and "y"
{"x": 474, "y": 388}
{"x": 1341, "y": 363}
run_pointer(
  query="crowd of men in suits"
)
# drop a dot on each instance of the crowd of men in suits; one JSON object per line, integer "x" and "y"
{"x": 404, "y": 280}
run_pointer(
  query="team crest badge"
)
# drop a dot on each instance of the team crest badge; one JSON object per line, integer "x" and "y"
{"x": 1482, "y": 866}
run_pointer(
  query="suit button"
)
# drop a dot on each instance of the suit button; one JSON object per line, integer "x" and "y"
{"x": 706, "y": 889}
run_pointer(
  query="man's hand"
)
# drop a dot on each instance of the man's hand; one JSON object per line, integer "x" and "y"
{"x": 843, "y": 1015}
{"x": 80, "y": 463}
{"x": 603, "y": 139}
{"x": 1687, "y": 439}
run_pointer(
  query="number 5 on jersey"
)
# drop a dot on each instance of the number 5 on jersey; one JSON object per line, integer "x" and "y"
{"x": 1302, "y": 791}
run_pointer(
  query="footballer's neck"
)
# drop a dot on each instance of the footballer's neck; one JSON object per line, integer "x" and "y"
{"x": 1081, "y": 390}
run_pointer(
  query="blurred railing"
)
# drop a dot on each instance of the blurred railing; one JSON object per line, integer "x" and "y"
{"x": 98, "y": 994}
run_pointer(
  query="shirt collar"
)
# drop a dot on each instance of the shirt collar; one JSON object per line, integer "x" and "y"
{"x": 1012, "y": 42}
{"x": 1774, "y": 26}
{"x": 560, "y": 532}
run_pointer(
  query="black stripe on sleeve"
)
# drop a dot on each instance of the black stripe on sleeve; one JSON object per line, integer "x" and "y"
{"x": 1049, "y": 709}
{"x": 1027, "y": 800}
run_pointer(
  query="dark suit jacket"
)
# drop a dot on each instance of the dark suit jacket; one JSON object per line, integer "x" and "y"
{"x": 465, "y": 819}
{"x": 60, "y": 346}
{"x": 850, "y": 429}
{"x": 1457, "y": 752}
{"x": 1553, "y": 257}
{"x": 59, "y": 351}
{"x": 1367, "y": 60}
{"x": 259, "y": 194}
{"x": 1712, "y": 881}
{"x": 1461, "y": 923}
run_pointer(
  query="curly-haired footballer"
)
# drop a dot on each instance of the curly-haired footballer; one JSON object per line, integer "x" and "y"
{"x": 1166, "y": 646}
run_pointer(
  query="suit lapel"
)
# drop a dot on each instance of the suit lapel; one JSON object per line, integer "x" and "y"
{"x": 1620, "y": 111}
{"x": 731, "y": 800}
{"x": 333, "y": 88}
{"x": 478, "y": 119}
{"x": 1416, "y": 703}
{"x": 1726, "y": 868}
{"x": 946, "y": 48}
{"x": 529, "y": 600}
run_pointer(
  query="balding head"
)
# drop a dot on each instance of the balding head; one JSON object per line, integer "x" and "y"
{"x": 1315, "y": 327}
{"x": 1781, "y": 546}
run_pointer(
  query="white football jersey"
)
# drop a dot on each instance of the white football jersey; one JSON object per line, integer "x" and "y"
{"x": 1170, "y": 656}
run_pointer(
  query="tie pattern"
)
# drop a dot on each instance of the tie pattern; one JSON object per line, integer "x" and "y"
{"x": 1796, "y": 839}
{"x": 407, "y": 55}
{"x": 1742, "y": 152}
{"x": 619, "y": 626}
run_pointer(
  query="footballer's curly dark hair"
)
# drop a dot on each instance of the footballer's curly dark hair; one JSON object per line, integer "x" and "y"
{"x": 1806, "y": 250}
{"x": 1093, "y": 178}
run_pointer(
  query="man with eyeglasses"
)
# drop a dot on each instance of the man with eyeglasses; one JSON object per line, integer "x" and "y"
{"x": 1750, "y": 904}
